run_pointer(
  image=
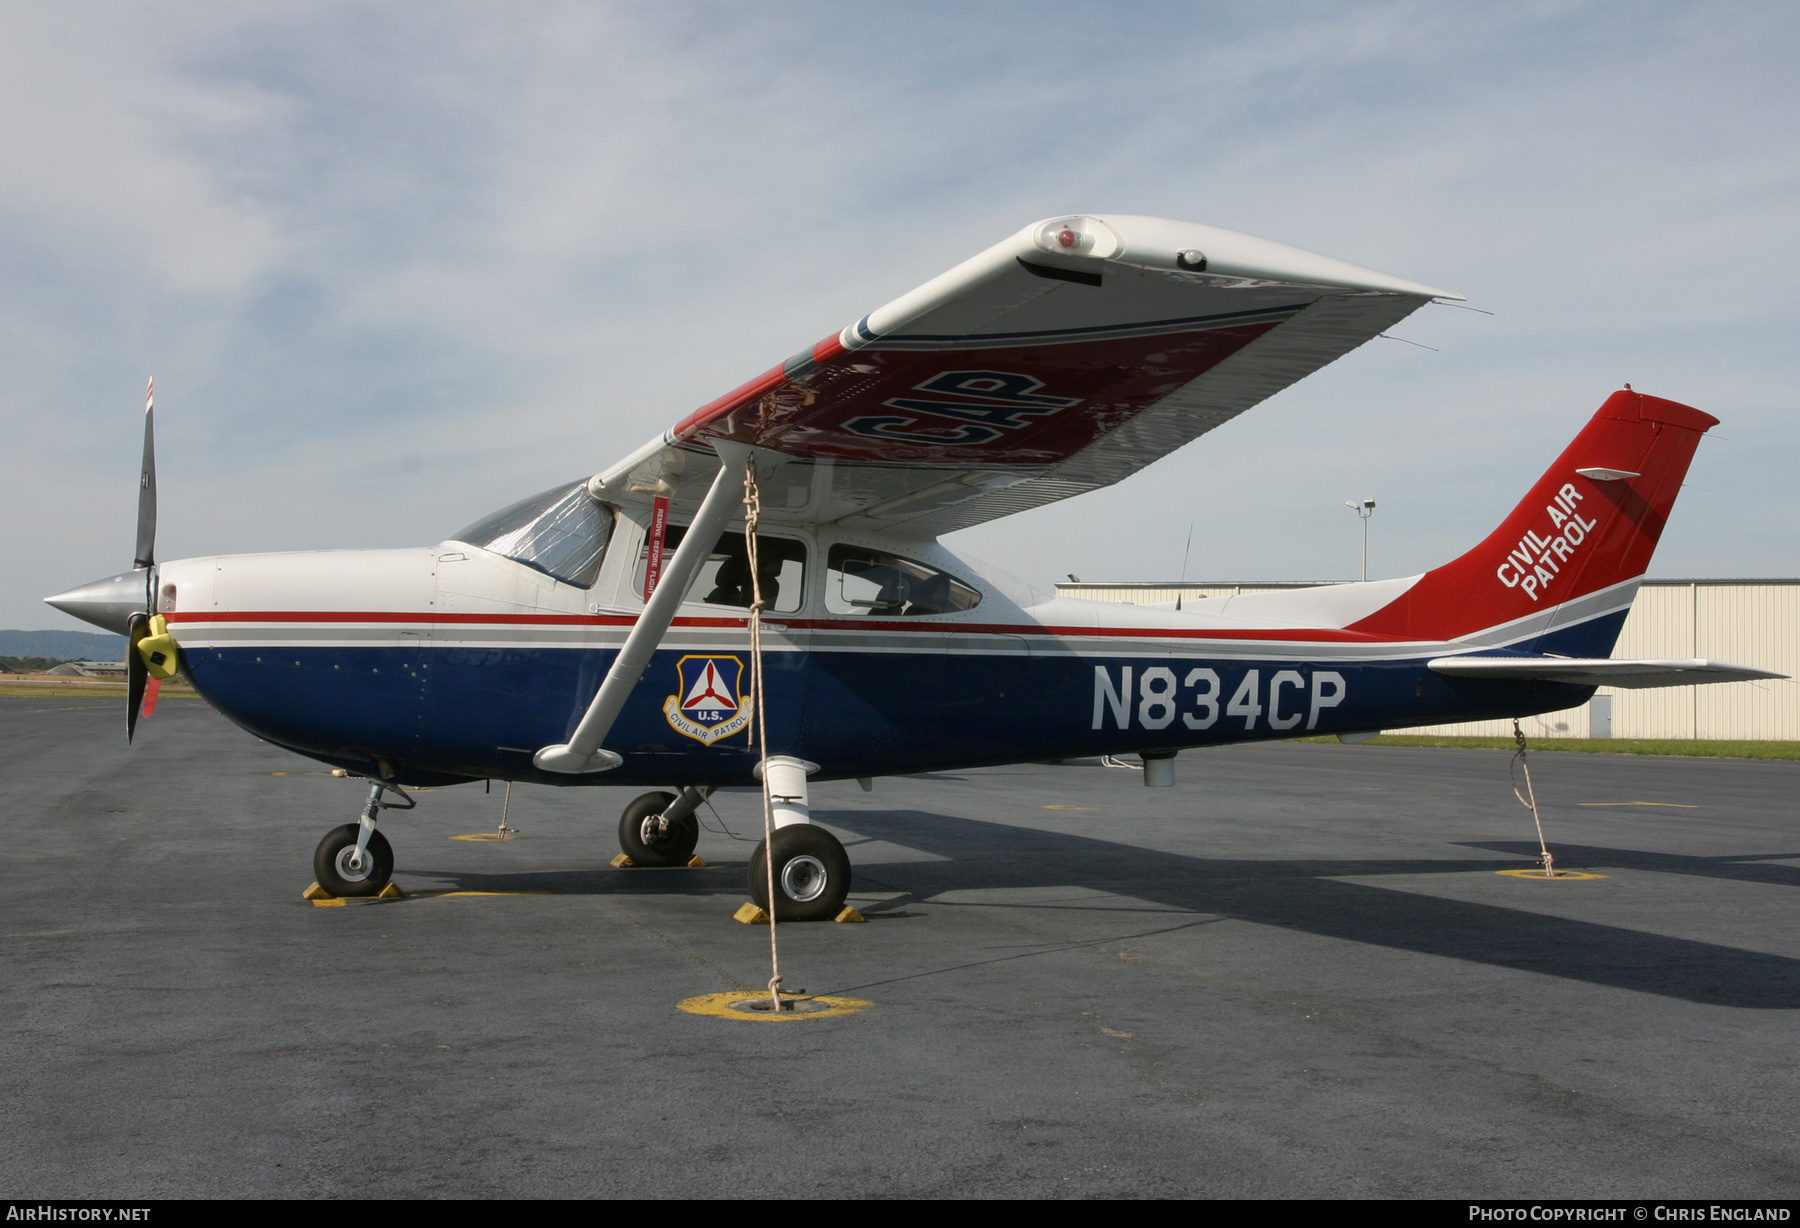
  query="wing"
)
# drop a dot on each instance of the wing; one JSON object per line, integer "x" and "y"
{"x": 1598, "y": 672}
{"x": 1061, "y": 360}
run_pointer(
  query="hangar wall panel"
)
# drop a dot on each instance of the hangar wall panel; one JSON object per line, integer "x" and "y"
{"x": 1746, "y": 623}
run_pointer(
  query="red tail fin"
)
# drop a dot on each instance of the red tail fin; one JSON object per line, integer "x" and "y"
{"x": 1575, "y": 534}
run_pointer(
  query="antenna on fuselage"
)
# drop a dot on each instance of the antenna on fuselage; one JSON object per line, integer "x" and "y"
{"x": 1185, "y": 551}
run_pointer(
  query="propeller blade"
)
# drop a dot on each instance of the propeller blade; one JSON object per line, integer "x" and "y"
{"x": 136, "y": 673}
{"x": 146, "y": 529}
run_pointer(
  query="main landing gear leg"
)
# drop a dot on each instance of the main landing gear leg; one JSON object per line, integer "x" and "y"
{"x": 661, "y": 829}
{"x": 812, "y": 871}
{"x": 355, "y": 859}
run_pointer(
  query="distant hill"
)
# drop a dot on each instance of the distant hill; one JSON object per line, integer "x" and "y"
{"x": 63, "y": 645}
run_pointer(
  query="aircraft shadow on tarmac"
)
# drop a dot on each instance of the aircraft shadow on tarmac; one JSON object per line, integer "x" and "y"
{"x": 1301, "y": 894}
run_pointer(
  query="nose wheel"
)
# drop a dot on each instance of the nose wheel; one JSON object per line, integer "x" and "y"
{"x": 355, "y": 859}
{"x": 342, "y": 871}
{"x": 654, "y": 832}
{"x": 812, "y": 874}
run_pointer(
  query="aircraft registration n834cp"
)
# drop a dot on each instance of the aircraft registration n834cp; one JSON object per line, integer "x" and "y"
{"x": 598, "y": 632}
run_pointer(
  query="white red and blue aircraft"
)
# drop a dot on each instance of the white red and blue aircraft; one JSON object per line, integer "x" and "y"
{"x": 597, "y": 633}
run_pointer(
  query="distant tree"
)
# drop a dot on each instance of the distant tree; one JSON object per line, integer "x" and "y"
{"x": 32, "y": 665}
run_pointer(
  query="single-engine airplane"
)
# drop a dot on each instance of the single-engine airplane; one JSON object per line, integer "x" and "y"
{"x": 597, "y": 633}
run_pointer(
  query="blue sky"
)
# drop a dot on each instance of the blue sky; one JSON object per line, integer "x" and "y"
{"x": 394, "y": 265}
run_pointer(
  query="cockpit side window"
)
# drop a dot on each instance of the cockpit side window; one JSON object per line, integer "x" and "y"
{"x": 560, "y": 532}
{"x": 724, "y": 578}
{"x": 863, "y": 581}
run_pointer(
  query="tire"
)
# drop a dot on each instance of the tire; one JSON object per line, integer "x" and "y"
{"x": 812, "y": 874}
{"x": 646, "y": 848}
{"x": 340, "y": 879}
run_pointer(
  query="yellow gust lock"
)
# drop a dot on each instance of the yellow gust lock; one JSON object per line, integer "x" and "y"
{"x": 158, "y": 650}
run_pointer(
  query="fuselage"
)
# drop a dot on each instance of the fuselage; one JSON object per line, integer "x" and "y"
{"x": 458, "y": 662}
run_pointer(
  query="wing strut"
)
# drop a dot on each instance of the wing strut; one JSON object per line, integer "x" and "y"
{"x": 582, "y": 752}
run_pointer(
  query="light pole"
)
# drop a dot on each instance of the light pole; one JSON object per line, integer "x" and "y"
{"x": 1363, "y": 511}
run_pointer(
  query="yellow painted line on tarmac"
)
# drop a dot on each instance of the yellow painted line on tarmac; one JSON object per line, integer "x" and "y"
{"x": 1671, "y": 805}
{"x": 1559, "y": 876}
{"x": 739, "y": 1005}
{"x": 487, "y": 835}
{"x": 1070, "y": 807}
{"x": 339, "y": 902}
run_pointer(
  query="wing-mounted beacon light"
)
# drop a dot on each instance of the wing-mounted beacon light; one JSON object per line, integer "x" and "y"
{"x": 1078, "y": 236}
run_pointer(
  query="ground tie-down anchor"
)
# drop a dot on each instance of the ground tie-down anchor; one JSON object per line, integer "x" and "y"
{"x": 505, "y": 832}
{"x": 1528, "y": 799}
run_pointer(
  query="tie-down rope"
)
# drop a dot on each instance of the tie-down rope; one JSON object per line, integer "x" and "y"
{"x": 1518, "y": 760}
{"x": 753, "y": 513}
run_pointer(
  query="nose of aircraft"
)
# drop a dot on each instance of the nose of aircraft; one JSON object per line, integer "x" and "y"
{"x": 109, "y": 603}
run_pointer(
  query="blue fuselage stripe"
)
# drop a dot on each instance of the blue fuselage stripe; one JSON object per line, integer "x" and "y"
{"x": 441, "y": 711}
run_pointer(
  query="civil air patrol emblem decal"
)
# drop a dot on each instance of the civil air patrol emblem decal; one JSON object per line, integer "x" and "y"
{"x": 708, "y": 706}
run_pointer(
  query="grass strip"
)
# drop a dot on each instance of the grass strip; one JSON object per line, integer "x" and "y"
{"x": 40, "y": 690}
{"x": 1703, "y": 749}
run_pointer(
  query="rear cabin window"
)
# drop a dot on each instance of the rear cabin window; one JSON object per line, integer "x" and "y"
{"x": 560, "y": 532}
{"x": 863, "y": 581}
{"x": 724, "y": 578}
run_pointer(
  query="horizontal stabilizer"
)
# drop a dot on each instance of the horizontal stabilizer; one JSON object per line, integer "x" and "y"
{"x": 1598, "y": 672}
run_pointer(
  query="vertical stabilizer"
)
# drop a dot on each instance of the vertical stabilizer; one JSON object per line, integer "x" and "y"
{"x": 1559, "y": 574}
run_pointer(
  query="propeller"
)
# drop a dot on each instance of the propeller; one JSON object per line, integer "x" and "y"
{"x": 146, "y": 537}
{"x": 137, "y": 673}
{"x": 126, "y": 603}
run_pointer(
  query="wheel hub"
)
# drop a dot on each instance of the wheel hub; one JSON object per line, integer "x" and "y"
{"x": 804, "y": 878}
{"x": 653, "y": 831}
{"x": 354, "y": 869}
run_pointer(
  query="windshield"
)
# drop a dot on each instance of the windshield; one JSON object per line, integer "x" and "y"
{"x": 561, "y": 532}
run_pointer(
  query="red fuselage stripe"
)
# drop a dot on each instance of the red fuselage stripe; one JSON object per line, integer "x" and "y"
{"x": 1293, "y": 635}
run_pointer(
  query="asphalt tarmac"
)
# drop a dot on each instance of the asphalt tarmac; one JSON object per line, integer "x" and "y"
{"x": 1294, "y": 974}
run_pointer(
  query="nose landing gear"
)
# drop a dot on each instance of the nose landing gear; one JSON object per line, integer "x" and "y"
{"x": 355, "y": 859}
{"x": 342, "y": 870}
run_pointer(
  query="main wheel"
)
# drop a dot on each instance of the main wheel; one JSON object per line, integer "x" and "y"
{"x": 812, "y": 874}
{"x": 331, "y": 862}
{"x": 649, "y": 842}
